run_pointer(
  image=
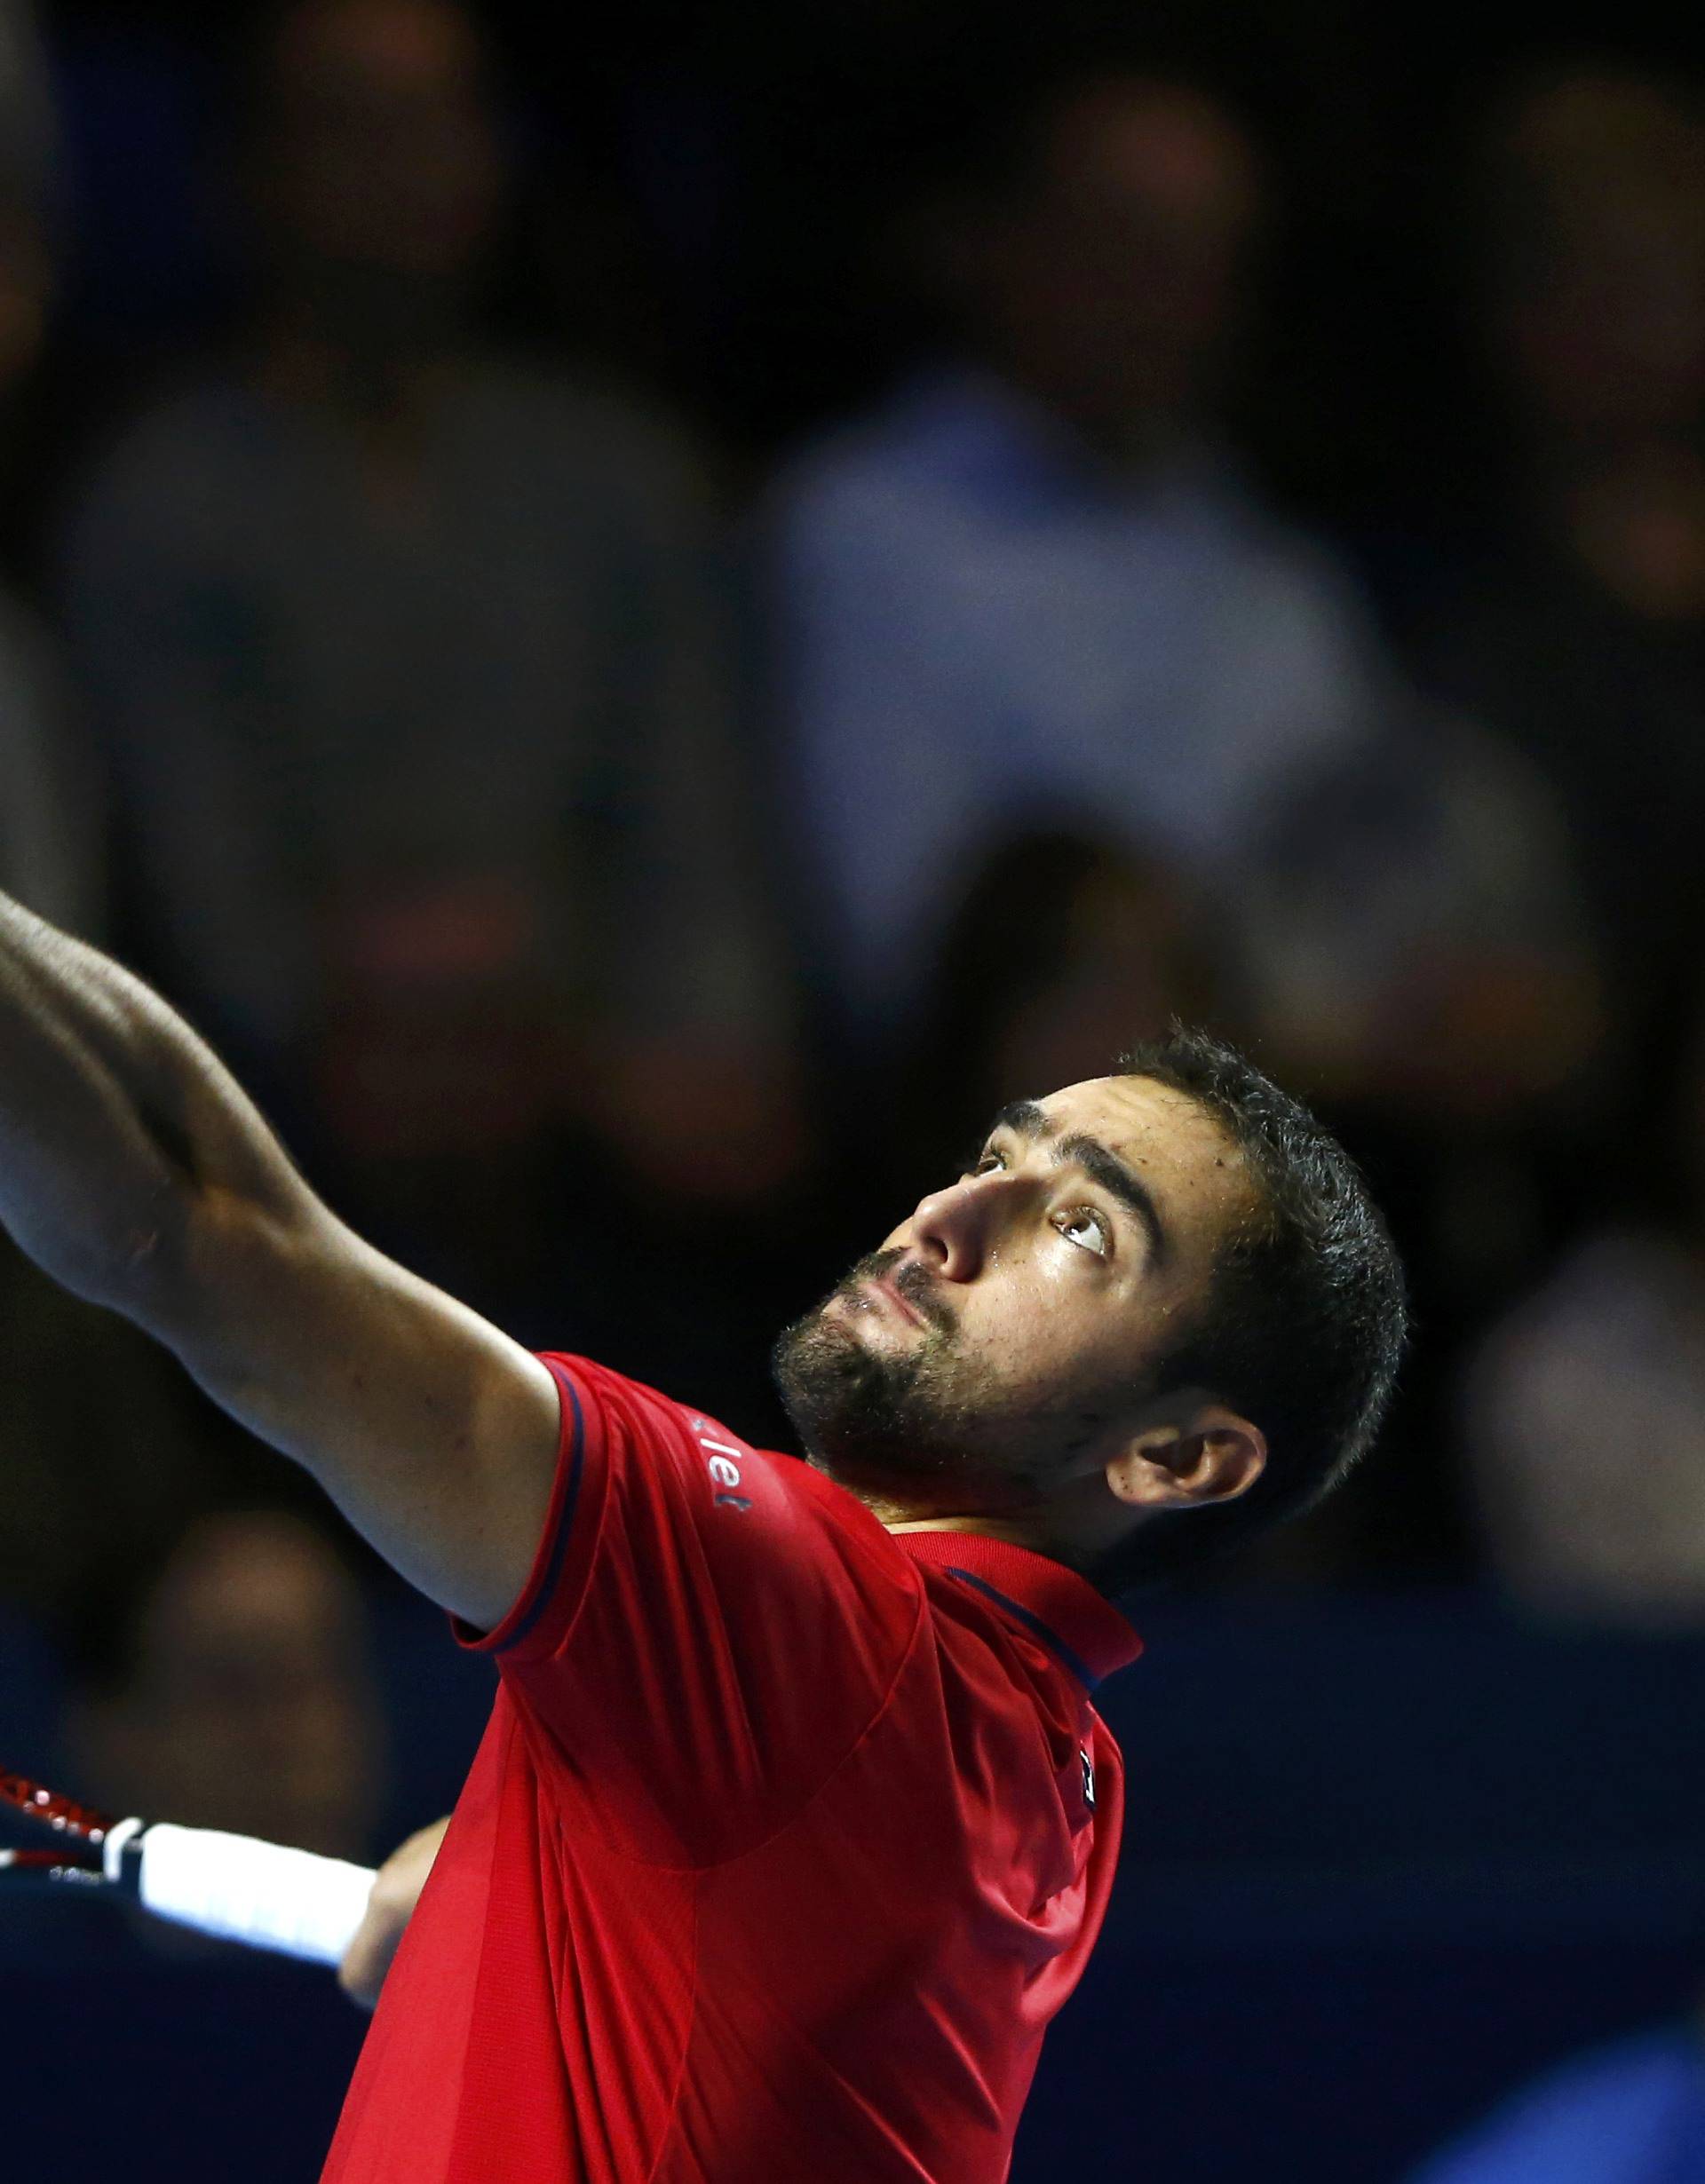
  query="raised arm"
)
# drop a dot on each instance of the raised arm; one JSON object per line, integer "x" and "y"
{"x": 137, "y": 1172}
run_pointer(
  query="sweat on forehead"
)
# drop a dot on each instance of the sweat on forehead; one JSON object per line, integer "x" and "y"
{"x": 1160, "y": 1117}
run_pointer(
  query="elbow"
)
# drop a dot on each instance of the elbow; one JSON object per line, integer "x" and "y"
{"x": 204, "y": 1270}
{"x": 146, "y": 1264}
{"x": 126, "y": 1262}
{"x": 145, "y": 1254}
{"x": 140, "y": 1263}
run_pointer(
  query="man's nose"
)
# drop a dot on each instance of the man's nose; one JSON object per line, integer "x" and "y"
{"x": 951, "y": 1228}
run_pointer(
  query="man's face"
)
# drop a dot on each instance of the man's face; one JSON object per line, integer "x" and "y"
{"x": 1006, "y": 1337}
{"x": 383, "y": 154}
{"x": 1118, "y": 277}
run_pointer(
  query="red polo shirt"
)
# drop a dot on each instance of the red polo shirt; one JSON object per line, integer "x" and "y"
{"x": 788, "y": 1837}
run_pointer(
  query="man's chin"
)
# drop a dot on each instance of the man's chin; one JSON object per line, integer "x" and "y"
{"x": 839, "y": 1390}
{"x": 856, "y": 1414}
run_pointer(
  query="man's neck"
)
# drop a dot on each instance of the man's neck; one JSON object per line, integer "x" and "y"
{"x": 991, "y": 1527}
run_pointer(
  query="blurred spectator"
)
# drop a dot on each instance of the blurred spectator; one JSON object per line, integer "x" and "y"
{"x": 410, "y": 662}
{"x": 1063, "y": 950}
{"x": 1585, "y": 1410}
{"x": 1409, "y": 933}
{"x": 50, "y": 813}
{"x": 93, "y": 1480}
{"x": 26, "y": 120}
{"x": 1582, "y": 637}
{"x": 1035, "y": 590}
{"x": 1411, "y": 946}
{"x": 235, "y": 1688}
{"x": 1411, "y": 949}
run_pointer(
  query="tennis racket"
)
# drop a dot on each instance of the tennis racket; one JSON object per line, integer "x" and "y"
{"x": 233, "y": 1886}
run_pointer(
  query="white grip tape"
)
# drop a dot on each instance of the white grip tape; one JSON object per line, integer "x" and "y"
{"x": 254, "y": 1892}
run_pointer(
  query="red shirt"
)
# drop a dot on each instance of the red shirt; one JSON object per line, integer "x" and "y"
{"x": 788, "y": 1837}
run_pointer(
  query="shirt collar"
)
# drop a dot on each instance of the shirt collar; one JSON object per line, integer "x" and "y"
{"x": 1081, "y": 1626}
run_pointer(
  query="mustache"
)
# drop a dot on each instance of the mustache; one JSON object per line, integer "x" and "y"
{"x": 913, "y": 1281}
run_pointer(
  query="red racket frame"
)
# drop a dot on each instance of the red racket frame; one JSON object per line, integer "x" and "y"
{"x": 83, "y": 1830}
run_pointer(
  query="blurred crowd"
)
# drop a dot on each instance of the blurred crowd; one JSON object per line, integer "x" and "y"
{"x": 632, "y": 808}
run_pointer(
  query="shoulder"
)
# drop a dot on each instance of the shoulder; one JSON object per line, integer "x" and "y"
{"x": 193, "y": 418}
{"x": 711, "y": 1628}
{"x": 182, "y": 462}
{"x": 1615, "y": 1283}
{"x": 913, "y": 448}
{"x": 1296, "y": 574}
{"x": 749, "y": 1503}
{"x": 602, "y": 436}
{"x": 1617, "y": 1313}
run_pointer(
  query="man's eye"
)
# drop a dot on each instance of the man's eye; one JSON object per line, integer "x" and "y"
{"x": 1088, "y": 1229}
{"x": 986, "y": 1163}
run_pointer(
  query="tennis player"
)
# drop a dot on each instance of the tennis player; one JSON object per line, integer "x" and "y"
{"x": 794, "y": 1822}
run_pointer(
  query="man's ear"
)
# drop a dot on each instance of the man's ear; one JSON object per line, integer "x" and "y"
{"x": 1209, "y": 1455}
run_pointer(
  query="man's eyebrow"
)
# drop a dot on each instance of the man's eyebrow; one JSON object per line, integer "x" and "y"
{"x": 1022, "y": 1117}
{"x": 1104, "y": 1167}
{"x": 1100, "y": 1163}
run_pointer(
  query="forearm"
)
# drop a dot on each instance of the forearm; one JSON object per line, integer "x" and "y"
{"x": 136, "y": 1171}
{"x": 115, "y": 1117}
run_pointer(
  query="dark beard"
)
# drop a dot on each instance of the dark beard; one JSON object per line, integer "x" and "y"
{"x": 904, "y": 1430}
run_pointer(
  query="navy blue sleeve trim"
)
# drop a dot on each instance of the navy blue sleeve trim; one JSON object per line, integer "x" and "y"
{"x": 548, "y": 1584}
{"x": 1055, "y": 1644}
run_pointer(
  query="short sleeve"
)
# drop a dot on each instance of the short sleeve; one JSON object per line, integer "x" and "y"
{"x": 709, "y": 1628}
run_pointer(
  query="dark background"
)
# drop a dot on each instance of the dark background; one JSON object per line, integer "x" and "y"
{"x": 1395, "y": 1839}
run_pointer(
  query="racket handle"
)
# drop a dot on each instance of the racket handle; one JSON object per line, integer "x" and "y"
{"x": 245, "y": 1890}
